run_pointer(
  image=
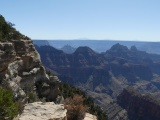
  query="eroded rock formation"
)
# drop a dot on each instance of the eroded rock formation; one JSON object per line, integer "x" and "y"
{"x": 20, "y": 66}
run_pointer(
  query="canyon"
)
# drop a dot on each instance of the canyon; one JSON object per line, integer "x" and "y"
{"x": 104, "y": 75}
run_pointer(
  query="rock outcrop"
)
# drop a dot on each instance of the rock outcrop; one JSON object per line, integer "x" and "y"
{"x": 139, "y": 107}
{"x": 90, "y": 117}
{"x": 20, "y": 66}
{"x": 43, "y": 111}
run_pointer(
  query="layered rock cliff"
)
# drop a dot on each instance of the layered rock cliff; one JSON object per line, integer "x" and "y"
{"x": 22, "y": 72}
{"x": 20, "y": 66}
{"x": 139, "y": 107}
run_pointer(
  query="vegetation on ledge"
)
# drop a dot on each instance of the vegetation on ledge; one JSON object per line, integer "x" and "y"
{"x": 8, "y": 108}
{"x": 8, "y": 32}
{"x": 70, "y": 92}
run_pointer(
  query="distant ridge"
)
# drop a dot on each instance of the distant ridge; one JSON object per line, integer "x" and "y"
{"x": 102, "y": 45}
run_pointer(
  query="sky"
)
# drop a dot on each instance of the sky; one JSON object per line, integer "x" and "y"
{"x": 85, "y": 19}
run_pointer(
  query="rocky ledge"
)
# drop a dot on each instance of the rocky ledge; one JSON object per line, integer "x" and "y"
{"x": 90, "y": 117}
{"x": 47, "y": 111}
{"x": 43, "y": 111}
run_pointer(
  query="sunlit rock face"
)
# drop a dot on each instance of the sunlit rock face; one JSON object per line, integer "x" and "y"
{"x": 44, "y": 111}
{"x": 20, "y": 66}
{"x": 90, "y": 117}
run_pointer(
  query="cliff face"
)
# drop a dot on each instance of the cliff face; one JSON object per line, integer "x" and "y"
{"x": 20, "y": 66}
{"x": 22, "y": 72}
{"x": 139, "y": 107}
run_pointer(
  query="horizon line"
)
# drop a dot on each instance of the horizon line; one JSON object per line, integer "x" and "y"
{"x": 99, "y": 40}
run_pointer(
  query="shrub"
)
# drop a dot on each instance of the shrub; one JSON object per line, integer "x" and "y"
{"x": 8, "y": 108}
{"x": 75, "y": 108}
{"x": 67, "y": 90}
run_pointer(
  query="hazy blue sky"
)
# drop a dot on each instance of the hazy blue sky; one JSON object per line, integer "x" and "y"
{"x": 93, "y": 19}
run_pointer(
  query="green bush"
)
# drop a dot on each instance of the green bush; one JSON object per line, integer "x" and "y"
{"x": 8, "y": 108}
